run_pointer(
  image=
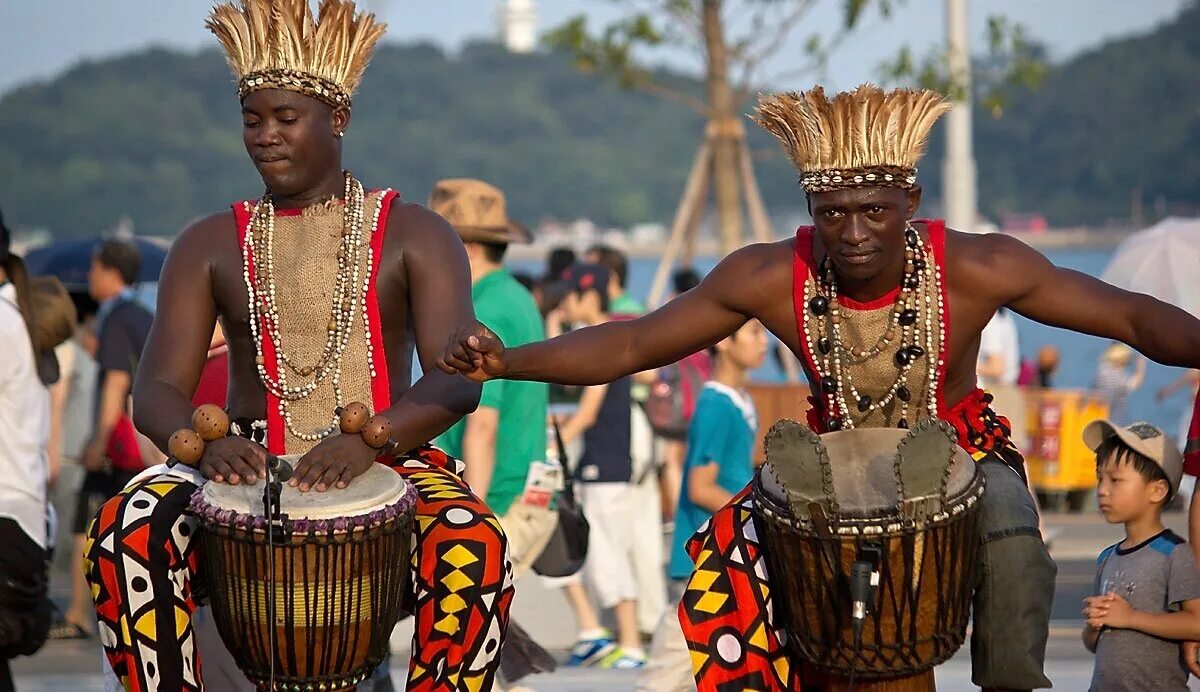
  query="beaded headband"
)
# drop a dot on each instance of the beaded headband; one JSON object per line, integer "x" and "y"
{"x": 291, "y": 80}
{"x": 277, "y": 44}
{"x": 862, "y": 138}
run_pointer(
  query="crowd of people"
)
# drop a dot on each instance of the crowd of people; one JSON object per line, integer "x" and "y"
{"x": 300, "y": 310}
{"x": 654, "y": 454}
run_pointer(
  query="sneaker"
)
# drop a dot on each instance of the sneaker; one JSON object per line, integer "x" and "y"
{"x": 587, "y": 652}
{"x": 619, "y": 659}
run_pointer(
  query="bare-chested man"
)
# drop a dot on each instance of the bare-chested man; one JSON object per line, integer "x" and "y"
{"x": 885, "y": 313}
{"x": 320, "y": 285}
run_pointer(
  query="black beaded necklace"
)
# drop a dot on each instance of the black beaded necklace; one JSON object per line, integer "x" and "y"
{"x": 834, "y": 359}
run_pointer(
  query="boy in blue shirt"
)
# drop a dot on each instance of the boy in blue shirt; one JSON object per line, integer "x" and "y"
{"x": 720, "y": 448}
{"x": 1147, "y": 586}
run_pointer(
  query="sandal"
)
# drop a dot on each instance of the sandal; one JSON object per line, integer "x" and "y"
{"x": 64, "y": 629}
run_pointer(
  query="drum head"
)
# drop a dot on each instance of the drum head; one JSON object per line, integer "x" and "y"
{"x": 863, "y": 466}
{"x": 378, "y": 487}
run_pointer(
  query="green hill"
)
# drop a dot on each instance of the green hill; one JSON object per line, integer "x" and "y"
{"x": 1121, "y": 117}
{"x": 156, "y": 136}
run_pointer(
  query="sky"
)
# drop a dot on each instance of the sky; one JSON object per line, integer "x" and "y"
{"x": 41, "y": 38}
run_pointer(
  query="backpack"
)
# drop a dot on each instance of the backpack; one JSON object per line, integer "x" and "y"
{"x": 672, "y": 398}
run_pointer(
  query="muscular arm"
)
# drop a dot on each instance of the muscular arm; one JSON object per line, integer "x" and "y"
{"x": 998, "y": 270}
{"x": 731, "y": 294}
{"x": 439, "y": 281}
{"x": 183, "y": 326}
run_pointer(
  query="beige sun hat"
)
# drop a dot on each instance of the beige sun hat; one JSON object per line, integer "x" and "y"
{"x": 1143, "y": 438}
{"x": 477, "y": 211}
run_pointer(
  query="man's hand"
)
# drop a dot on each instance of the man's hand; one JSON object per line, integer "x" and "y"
{"x": 1109, "y": 610}
{"x": 93, "y": 456}
{"x": 476, "y": 353}
{"x": 334, "y": 462}
{"x": 1190, "y": 651}
{"x": 233, "y": 460}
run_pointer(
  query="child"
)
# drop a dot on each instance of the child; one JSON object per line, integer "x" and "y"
{"x": 1147, "y": 586}
{"x": 718, "y": 464}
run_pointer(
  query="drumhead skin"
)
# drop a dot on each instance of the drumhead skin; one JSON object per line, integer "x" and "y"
{"x": 862, "y": 462}
{"x": 378, "y": 487}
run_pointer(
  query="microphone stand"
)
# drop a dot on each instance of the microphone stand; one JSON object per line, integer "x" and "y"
{"x": 278, "y": 471}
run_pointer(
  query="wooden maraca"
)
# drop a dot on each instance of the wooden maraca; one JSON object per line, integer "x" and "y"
{"x": 377, "y": 432}
{"x": 211, "y": 422}
{"x": 352, "y": 417}
{"x": 186, "y": 446}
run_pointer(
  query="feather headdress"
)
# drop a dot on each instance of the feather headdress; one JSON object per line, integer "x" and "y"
{"x": 861, "y": 138}
{"x": 276, "y": 44}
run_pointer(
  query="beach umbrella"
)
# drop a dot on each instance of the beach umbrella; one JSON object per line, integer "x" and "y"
{"x": 69, "y": 260}
{"x": 1162, "y": 261}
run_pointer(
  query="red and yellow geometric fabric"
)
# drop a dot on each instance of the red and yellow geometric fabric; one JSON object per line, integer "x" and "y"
{"x": 143, "y": 571}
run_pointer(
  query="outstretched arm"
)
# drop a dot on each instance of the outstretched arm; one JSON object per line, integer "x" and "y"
{"x": 1005, "y": 271}
{"x": 732, "y": 293}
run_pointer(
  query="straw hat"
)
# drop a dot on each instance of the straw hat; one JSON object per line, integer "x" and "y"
{"x": 1117, "y": 354}
{"x": 477, "y": 211}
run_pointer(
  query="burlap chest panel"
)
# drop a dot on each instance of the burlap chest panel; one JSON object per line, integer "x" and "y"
{"x": 305, "y": 269}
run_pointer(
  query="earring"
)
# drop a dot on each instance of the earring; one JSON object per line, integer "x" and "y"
{"x": 341, "y": 134}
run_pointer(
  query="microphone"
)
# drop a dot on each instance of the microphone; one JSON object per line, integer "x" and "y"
{"x": 282, "y": 470}
{"x": 860, "y": 591}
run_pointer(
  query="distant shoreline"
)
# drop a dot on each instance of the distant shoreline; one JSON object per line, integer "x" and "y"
{"x": 709, "y": 247}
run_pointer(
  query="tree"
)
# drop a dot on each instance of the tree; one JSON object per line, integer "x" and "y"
{"x": 734, "y": 38}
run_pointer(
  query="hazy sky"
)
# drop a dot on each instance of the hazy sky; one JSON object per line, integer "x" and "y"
{"x": 40, "y": 38}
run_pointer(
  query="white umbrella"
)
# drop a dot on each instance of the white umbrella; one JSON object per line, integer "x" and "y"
{"x": 1162, "y": 261}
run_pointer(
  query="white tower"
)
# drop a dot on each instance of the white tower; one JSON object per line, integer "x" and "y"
{"x": 518, "y": 25}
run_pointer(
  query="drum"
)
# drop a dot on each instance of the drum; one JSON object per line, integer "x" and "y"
{"x": 337, "y": 565}
{"x": 906, "y": 504}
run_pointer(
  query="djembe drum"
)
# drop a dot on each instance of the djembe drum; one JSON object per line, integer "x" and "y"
{"x": 308, "y": 600}
{"x": 870, "y": 538}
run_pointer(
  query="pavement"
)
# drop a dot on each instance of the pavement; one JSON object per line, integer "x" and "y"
{"x": 1076, "y": 540}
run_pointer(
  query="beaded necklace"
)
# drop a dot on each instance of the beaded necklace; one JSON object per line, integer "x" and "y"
{"x": 916, "y": 318}
{"x": 351, "y": 286}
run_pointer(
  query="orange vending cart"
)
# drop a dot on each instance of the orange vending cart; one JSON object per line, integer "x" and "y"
{"x": 1061, "y": 468}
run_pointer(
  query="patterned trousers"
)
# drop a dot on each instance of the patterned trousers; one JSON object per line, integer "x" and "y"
{"x": 143, "y": 569}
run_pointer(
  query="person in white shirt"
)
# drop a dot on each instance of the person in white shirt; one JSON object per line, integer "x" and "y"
{"x": 999, "y": 352}
{"x": 24, "y": 433}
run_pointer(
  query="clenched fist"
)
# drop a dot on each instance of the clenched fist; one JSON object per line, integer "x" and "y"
{"x": 476, "y": 353}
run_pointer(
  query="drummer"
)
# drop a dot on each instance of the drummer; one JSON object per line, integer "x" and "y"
{"x": 400, "y": 280}
{"x": 842, "y": 297}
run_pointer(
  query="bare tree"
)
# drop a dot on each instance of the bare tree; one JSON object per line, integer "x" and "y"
{"x": 732, "y": 39}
